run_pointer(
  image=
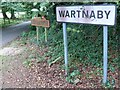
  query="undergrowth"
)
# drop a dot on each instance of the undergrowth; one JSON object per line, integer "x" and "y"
{"x": 85, "y": 47}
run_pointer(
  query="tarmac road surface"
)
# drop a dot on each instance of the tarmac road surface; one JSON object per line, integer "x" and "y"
{"x": 10, "y": 33}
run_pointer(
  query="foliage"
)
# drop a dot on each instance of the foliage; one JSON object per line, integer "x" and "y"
{"x": 72, "y": 77}
{"x": 27, "y": 63}
{"x": 11, "y": 7}
{"x": 84, "y": 45}
{"x": 12, "y": 22}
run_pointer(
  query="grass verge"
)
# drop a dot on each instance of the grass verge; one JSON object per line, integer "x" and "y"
{"x": 7, "y": 23}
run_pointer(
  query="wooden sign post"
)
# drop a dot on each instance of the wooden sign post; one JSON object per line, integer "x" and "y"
{"x": 37, "y": 21}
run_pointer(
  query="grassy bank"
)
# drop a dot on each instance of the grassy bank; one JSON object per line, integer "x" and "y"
{"x": 85, "y": 50}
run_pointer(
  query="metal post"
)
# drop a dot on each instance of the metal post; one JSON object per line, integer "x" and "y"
{"x": 105, "y": 53}
{"x": 1, "y": 61}
{"x": 45, "y": 35}
{"x": 37, "y": 34}
{"x": 1, "y": 39}
{"x": 65, "y": 48}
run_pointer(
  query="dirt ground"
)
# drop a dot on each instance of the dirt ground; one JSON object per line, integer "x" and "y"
{"x": 40, "y": 75}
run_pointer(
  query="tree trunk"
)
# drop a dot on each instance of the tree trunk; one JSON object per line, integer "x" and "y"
{"x": 5, "y": 15}
{"x": 12, "y": 14}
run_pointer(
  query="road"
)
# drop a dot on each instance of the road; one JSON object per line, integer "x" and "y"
{"x": 10, "y": 33}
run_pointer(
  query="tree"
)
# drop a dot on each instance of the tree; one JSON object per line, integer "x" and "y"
{"x": 15, "y": 6}
{"x": 11, "y": 7}
{"x": 4, "y": 7}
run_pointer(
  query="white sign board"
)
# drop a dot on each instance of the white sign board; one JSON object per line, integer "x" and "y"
{"x": 96, "y": 14}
